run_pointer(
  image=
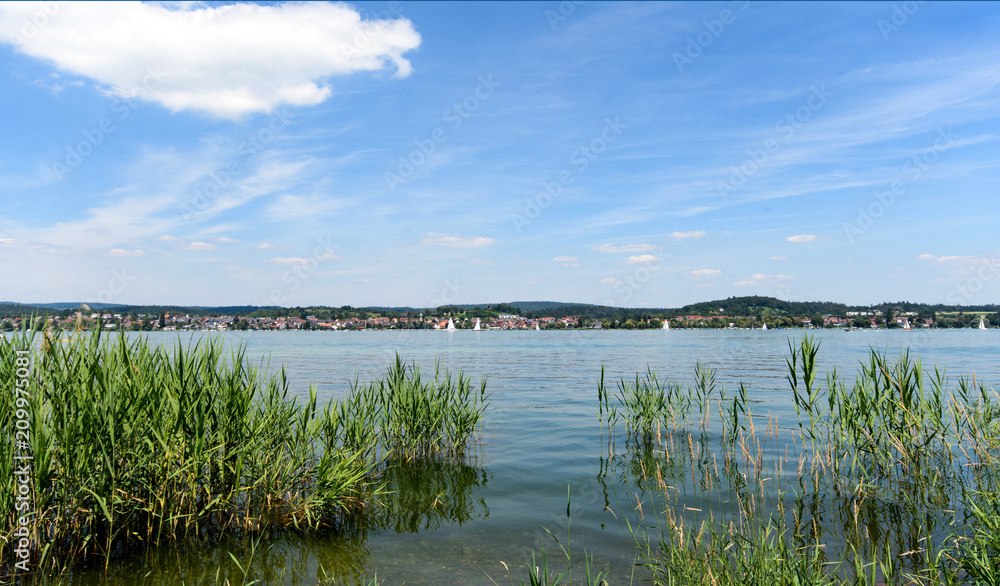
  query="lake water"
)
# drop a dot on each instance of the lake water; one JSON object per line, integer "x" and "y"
{"x": 541, "y": 436}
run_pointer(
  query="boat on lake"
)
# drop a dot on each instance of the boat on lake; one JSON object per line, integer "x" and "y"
{"x": 982, "y": 323}
{"x": 477, "y": 328}
{"x": 451, "y": 325}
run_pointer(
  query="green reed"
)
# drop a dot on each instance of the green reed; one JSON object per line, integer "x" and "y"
{"x": 889, "y": 478}
{"x": 136, "y": 444}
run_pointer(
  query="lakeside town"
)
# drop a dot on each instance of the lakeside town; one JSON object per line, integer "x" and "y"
{"x": 485, "y": 318}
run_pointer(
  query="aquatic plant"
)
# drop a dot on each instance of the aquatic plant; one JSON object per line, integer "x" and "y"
{"x": 136, "y": 444}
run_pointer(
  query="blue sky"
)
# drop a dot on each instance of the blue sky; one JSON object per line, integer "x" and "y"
{"x": 429, "y": 153}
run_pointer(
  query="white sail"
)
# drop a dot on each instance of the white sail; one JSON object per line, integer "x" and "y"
{"x": 906, "y": 325}
{"x": 451, "y": 325}
{"x": 477, "y": 328}
{"x": 763, "y": 327}
{"x": 982, "y": 324}
{"x": 666, "y": 324}
{"x": 537, "y": 328}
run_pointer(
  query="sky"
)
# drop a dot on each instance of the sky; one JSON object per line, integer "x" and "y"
{"x": 422, "y": 154}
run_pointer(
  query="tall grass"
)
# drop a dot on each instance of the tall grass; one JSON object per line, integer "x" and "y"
{"x": 889, "y": 478}
{"x": 136, "y": 444}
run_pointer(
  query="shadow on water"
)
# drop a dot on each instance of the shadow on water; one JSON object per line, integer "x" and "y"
{"x": 421, "y": 495}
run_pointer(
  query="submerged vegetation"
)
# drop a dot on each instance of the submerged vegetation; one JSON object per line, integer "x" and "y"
{"x": 135, "y": 444}
{"x": 891, "y": 479}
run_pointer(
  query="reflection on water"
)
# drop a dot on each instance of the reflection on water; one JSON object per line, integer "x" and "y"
{"x": 420, "y": 495}
{"x": 425, "y": 494}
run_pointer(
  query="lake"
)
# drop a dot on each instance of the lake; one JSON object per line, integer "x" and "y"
{"x": 541, "y": 436}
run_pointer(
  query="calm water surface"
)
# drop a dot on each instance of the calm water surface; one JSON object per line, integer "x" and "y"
{"x": 541, "y": 436}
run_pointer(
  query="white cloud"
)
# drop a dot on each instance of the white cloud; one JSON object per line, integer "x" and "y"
{"x": 759, "y": 278}
{"x": 123, "y": 252}
{"x": 609, "y": 281}
{"x": 927, "y": 257}
{"x": 226, "y": 240}
{"x": 642, "y": 258}
{"x": 288, "y": 260}
{"x": 802, "y": 238}
{"x": 199, "y": 246}
{"x": 690, "y": 234}
{"x": 565, "y": 259}
{"x": 779, "y": 258}
{"x": 432, "y": 239}
{"x": 626, "y": 248}
{"x": 226, "y": 60}
{"x": 706, "y": 273}
{"x": 266, "y": 246}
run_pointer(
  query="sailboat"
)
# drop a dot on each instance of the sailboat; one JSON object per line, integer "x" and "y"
{"x": 763, "y": 327}
{"x": 666, "y": 324}
{"x": 982, "y": 324}
{"x": 906, "y": 325}
{"x": 451, "y": 325}
{"x": 537, "y": 328}
{"x": 477, "y": 328}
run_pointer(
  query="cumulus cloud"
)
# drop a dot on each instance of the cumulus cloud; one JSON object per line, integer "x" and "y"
{"x": 225, "y": 60}
{"x": 802, "y": 238}
{"x": 626, "y": 248}
{"x": 642, "y": 258}
{"x": 432, "y": 239}
{"x": 565, "y": 259}
{"x": 689, "y": 234}
{"x": 226, "y": 240}
{"x": 266, "y": 246}
{"x": 124, "y": 252}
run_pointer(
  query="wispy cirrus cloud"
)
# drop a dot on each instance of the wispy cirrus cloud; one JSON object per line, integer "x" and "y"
{"x": 802, "y": 238}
